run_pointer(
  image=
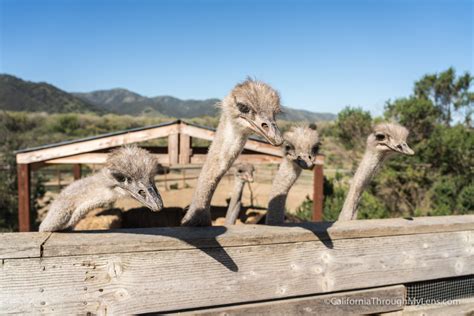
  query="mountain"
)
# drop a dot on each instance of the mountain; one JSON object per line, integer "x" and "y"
{"x": 127, "y": 102}
{"x": 123, "y": 101}
{"x": 19, "y": 95}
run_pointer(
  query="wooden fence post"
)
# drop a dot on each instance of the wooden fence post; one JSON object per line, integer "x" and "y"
{"x": 173, "y": 149}
{"x": 24, "y": 206}
{"x": 318, "y": 197}
{"x": 76, "y": 169}
{"x": 184, "y": 149}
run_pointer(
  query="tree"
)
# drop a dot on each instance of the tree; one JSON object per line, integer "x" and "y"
{"x": 418, "y": 115}
{"x": 353, "y": 125}
{"x": 447, "y": 93}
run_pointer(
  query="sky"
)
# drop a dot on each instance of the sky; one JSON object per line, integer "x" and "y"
{"x": 320, "y": 55}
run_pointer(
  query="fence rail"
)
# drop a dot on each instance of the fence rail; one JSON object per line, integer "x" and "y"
{"x": 235, "y": 270}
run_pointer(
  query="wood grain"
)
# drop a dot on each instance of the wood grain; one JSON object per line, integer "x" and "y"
{"x": 167, "y": 280}
{"x": 22, "y": 245}
{"x": 363, "y": 302}
{"x": 156, "y": 239}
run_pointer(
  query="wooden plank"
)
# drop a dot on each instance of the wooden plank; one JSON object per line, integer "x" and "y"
{"x": 244, "y": 157}
{"x": 24, "y": 204}
{"x": 95, "y": 158}
{"x": 156, "y": 239}
{"x": 185, "y": 150}
{"x": 254, "y": 145}
{"x": 159, "y": 281}
{"x": 100, "y": 158}
{"x": 173, "y": 149}
{"x": 318, "y": 193}
{"x": 455, "y": 307}
{"x": 96, "y": 144}
{"x": 22, "y": 245}
{"x": 363, "y": 302}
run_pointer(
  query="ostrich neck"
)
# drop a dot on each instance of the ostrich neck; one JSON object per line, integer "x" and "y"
{"x": 234, "y": 204}
{"x": 369, "y": 165}
{"x": 229, "y": 141}
{"x": 282, "y": 183}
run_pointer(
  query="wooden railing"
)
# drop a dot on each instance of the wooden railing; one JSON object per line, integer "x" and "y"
{"x": 244, "y": 269}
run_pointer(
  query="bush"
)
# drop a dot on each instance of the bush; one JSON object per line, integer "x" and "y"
{"x": 465, "y": 200}
{"x": 443, "y": 196}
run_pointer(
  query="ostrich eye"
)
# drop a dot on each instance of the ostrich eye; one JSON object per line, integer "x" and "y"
{"x": 119, "y": 177}
{"x": 243, "y": 108}
{"x": 288, "y": 147}
{"x": 379, "y": 137}
{"x": 240, "y": 171}
{"x": 315, "y": 149}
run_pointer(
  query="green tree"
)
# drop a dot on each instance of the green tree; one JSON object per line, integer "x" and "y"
{"x": 418, "y": 115}
{"x": 448, "y": 93}
{"x": 353, "y": 126}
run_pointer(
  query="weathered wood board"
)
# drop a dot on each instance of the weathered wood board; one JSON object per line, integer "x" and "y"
{"x": 171, "y": 269}
{"x": 363, "y": 302}
{"x": 156, "y": 239}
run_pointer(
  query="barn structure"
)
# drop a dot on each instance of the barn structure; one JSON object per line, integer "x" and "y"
{"x": 179, "y": 151}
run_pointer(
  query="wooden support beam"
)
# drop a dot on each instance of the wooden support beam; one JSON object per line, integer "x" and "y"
{"x": 185, "y": 149}
{"x": 96, "y": 144}
{"x": 173, "y": 149}
{"x": 24, "y": 205}
{"x": 95, "y": 158}
{"x": 318, "y": 193}
{"x": 250, "y": 144}
{"x": 76, "y": 170}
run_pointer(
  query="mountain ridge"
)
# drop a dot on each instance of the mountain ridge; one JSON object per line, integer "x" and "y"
{"x": 182, "y": 108}
{"x": 17, "y": 94}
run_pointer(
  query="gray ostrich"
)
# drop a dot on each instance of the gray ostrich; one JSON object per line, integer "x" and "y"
{"x": 243, "y": 174}
{"x": 249, "y": 108}
{"x": 300, "y": 147}
{"x": 385, "y": 140}
{"x": 129, "y": 172}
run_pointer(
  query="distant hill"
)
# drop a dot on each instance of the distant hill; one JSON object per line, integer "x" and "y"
{"x": 19, "y": 95}
{"x": 127, "y": 102}
{"x": 123, "y": 101}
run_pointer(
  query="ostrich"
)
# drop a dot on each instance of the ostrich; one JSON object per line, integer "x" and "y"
{"x": 243, "y": 174}
{"x": 300, "y": 148}
{"x": 385, "y": 140}
{"x": 129, "y": 172}
{"x": 249, "y": 108}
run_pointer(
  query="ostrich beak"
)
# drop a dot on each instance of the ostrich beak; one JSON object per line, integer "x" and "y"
{"x": 404, "y": 149}
{"x": 304, "y": 163}
{"x": 266, "y": 128}
{"x": 150, "y": 197}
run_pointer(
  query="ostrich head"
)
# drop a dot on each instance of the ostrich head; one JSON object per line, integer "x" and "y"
{"x": 244, "y": 171}
{"x": 253, "y": 106}
{"x": 301, "y": 145}
{"x": 132, "y": 171}
{"x": 388, "y": 138}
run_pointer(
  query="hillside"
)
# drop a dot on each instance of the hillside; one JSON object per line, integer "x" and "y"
{"x": 123, "y": 101}
{"x": 19, "y": 95}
